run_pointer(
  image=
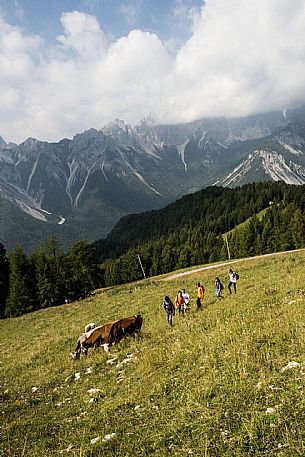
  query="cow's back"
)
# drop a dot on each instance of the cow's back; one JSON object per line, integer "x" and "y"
{"x": 127, "y": 326}
{"x": 100, "y": 334}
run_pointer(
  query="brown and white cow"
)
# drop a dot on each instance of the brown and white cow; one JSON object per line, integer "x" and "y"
{"x": 95, "y": 337}
{"x": 108, "y": 334}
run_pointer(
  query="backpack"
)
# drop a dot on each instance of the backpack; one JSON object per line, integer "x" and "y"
{"x": 168, "y": 306}
{"x": 236, "y": 276}
{"x": 221, "y": 286}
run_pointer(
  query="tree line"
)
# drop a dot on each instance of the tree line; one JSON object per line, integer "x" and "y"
{"x": 282, "y": 227}
{"x": 47, "y": 277}
{"x": 213, "y": 209}
{"x": 186, "y": 233}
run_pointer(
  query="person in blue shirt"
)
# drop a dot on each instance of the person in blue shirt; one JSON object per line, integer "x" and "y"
{"x": 219, "y": 287}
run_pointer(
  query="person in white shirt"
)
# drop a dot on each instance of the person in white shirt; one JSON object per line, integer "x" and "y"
{"x": 186, "y": 297}
{"x": 232, "y": 280}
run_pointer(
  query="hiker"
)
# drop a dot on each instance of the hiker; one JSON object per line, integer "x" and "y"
{"x": 200, "y": 294}
{"x": 219, "y": 287}
{"x": 186, "y": 297}
{"x": 233, "y": 280}
{"x": 169, "y": 309}
{"x": 179, "y": 302}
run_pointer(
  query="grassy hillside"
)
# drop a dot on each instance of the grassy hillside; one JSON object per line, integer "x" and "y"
{"x": 260, "y": 216}
{"x": 213, "y": 385}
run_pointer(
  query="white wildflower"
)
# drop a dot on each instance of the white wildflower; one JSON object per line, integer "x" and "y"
{"x": 95, "y": 440}
{"x": 35, "y": 389}
{"x": 112, "y": 361}
{"x": 93, "y": 391}
{"x": 89, "y": 370}
{"x": 270, "y": 411}
{"x": 271, "y": 386}
{"x": 137, "y": 407}
{"x": 108, "y": 437}
{"x": 126, "y": 361}
{"x": 77, "y": 376}
{"x": 259, "y": 385}
{"x": 290, "y": 365}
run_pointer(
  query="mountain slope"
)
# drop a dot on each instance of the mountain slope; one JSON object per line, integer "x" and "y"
{"x": 213, "y": 209}
{"x": 279, "y": 157}
{"x": 101, "y": 175}
{"x": 227, "y": 380}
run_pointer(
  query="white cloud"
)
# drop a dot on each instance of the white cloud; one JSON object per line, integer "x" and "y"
{"x": 241, "y": 58}
{"x": 83, "y": 35}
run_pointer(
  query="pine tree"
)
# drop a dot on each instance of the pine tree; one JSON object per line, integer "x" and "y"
{"x": 22, "y": 293}
{"x": 298, "y": 229}
{"x": 50, "y": 268}
{"x": 83, "y": 271}
{"x": 4, "y": 279}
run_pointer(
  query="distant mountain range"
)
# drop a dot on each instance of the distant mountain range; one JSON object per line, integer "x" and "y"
{"x": 79, "y": 188}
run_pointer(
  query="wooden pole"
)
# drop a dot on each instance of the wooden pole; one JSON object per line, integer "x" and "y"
{"x": 228, "y": 248}
{"x": 141, "y": 266}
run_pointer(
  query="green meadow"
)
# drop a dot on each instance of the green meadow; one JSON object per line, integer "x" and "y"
{"x": 227, "y": 380}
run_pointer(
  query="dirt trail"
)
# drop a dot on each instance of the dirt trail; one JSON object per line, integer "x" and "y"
{"x": 229, "y": 262}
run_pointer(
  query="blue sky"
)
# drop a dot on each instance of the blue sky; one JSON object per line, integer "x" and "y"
{"x": 168, "y": 18}
{"x": 70, "y": 65}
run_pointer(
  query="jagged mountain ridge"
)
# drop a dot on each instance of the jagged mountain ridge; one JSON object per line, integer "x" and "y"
{"x": 101, "y": 175}
{"x": 278, "y": 157}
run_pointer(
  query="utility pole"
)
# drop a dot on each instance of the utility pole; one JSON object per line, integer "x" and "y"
{"x": 228, "y": 248}
{"x": 141, "y": 266}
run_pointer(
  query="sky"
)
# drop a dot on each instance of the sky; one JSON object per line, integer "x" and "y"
{"x": 70, "y": 65}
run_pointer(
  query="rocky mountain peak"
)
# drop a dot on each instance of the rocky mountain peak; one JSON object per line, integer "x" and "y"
{"x": 31, "y": 144}
{"x": 2, "y": 143}
{"x": 122, "y": 133}
{"x": 117, "y": 127}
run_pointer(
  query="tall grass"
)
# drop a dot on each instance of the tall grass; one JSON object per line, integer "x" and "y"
{"x": 212, "y": 385}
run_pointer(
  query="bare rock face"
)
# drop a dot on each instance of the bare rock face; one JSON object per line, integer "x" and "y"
{"x": 99, "y": 176}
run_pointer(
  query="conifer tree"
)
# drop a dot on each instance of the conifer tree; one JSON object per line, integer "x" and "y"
{"x": 22, "y": 293}
{"x": 4, "y": 279}
{"x": 298, "y": 229}
{"x": 83, "y": 271}
{"x": 50, "y": 265}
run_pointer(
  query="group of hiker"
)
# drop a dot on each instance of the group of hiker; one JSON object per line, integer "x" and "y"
{"x": 182, "y": 301}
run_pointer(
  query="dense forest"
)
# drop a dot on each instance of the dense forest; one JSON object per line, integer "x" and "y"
{"x": 47, "y": 277}
{"x": 191, "y": 230}
{"x": 254, "y": 219}
{"x": 213, "y": 209}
